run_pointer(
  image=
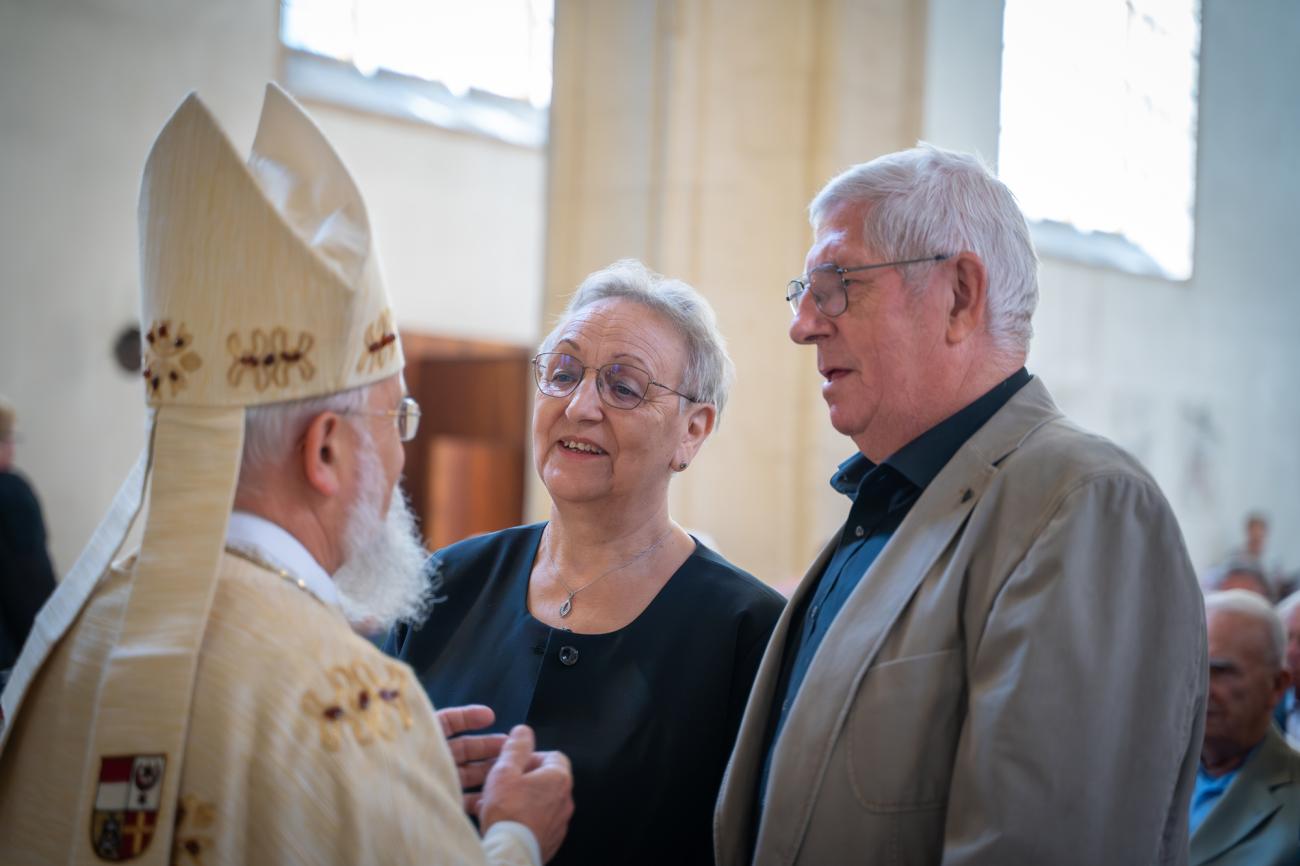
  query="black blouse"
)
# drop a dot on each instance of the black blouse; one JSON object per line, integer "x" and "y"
{"x": 647, "y": 714}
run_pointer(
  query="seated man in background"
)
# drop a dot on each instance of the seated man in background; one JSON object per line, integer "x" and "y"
{"x": 1247, "y": 578}
{"x": 205, "y": 701}
{"x": 1287, "y": 712}
{"x": 1246, "y": 803}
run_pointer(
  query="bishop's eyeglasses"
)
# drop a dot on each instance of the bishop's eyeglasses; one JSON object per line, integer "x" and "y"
{"x": 830, "y": 291}
{"x": 406, "y": 415}
{"x": 621, "y": 386}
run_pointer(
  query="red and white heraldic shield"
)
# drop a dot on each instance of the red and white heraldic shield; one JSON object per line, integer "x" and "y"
{"x": 126, "y": 805}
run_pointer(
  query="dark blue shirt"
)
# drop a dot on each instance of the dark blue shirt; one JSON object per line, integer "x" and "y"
{"x": 882, "y": 496}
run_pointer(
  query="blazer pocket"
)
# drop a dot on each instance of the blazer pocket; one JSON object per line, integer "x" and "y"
{"x": 903, "y": 730}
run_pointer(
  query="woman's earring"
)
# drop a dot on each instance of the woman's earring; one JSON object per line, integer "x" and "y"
{"x": 681, "y": 466}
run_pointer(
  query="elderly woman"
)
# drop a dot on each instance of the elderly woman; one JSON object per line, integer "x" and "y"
{"x": 621, "y": 639}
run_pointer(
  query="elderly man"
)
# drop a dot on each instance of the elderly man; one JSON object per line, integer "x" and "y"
{"x": 205, "y": 701}
{"x": 1246, "y": 804}
{"x": 999, "y": 659}
{"x": 1287, "y": 711}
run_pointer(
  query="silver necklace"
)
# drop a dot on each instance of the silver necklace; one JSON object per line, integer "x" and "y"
{"x": 567, "y": 606}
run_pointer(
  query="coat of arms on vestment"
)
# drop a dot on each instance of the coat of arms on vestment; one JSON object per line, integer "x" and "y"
{"x": 126, "y": 805}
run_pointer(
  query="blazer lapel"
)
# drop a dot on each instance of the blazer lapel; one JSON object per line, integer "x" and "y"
{"x": 1249, "y": 801}
{"x": 802, "y": 754}
{"x": 734, "y": 814}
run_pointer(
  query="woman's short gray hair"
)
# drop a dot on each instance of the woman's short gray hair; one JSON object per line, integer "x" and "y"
{"x": 1255, "y": 606}
{"x": 272, "y": 429}
{"x": 928, "y": 201}
{"x": 709, "y": 371}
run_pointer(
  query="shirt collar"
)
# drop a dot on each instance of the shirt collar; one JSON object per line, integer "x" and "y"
{"x": 920, "y": 460}
{"x": 1222, "y": 781}
{"x": 270, "y": 543}
{"x": 848, "y": 476}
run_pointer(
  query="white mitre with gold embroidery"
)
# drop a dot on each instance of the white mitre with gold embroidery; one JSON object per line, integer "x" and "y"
{"x": 260, "y": 284}
{"x": 260, "y": 279}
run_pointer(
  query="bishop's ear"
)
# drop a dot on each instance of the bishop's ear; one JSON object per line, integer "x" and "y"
{"x": 969, "y": 287}
{"x": 322, "y": 446}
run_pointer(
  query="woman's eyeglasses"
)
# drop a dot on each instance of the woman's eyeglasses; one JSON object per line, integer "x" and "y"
{"x": 620, "y": 386}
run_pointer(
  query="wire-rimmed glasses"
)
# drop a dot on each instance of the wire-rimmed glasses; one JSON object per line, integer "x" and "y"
{"x": 830, "y": 291}
{"x": 620, "y": 386}
{"x": 406, "y": 415}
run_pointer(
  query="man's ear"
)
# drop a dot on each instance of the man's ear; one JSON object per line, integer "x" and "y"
{"x": 322, "y": 445}
{"x": 699, "y": 424}
{"x": 969, "y": 287}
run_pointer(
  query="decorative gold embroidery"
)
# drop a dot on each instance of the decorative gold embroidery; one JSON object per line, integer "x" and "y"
{"x": 269, "y": 358}
{"x": 192, "y": 816}
{"x": 361, "y": 701}
{"x": 381, "y": 342}
{"x": 168, "y": 357}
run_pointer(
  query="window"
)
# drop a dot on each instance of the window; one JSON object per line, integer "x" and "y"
{"x": 1098, "y": 134}
{"x": 483, "y": 66}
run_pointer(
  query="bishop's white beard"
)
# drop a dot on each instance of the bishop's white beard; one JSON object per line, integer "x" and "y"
{"x": 382, "y": 580}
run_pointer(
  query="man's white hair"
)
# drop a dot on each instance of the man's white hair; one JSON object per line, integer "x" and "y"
{"x": 1251, "y": 604}
{"x": 927, "y": 201}
{"x": 709, "y": 370}
{"x": 1287, "y": 606}
{"x": 272, "y": 429}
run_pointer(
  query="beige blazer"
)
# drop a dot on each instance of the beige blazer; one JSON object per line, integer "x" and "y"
{"x": 306, "y": 746}
{"x": 1257, "y": 820}
{"x": 1019, "y": 678}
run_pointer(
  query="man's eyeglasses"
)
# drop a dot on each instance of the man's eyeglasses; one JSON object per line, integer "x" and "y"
{"x": 830, "y": 291}
{"x": 620, "y": 386}
{"x": 407, "y": 415}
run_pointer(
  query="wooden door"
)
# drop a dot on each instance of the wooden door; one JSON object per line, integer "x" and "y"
{"x": 465, "y": 469}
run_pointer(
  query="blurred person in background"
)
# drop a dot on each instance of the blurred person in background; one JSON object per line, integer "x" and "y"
{"x": 1248, "y": 578}
{"x": 26, "y": 575}
{"x": 1252, "y": 555}
{"x": 1245, "y": 808}
{"x": 1287, "y": 711}
{"x": 1252, "y": 551}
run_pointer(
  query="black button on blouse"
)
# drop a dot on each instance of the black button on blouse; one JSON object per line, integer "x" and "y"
{"x": 647, "y": 714}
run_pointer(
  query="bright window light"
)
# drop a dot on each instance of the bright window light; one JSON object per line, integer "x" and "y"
{"x": 1099, "y": 120}
{"x": 496, "y": 46}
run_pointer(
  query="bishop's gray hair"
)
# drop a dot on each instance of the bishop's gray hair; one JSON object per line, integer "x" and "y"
{"x": 709, "y": 370}
{"x": 1253, "y": 605}
{"x": 272, "y": 429}
{"x": 927, "y": 201}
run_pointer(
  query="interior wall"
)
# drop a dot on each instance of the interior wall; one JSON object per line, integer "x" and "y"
{"x": 85, "y": 85}
{"x": 1199, "y": 378}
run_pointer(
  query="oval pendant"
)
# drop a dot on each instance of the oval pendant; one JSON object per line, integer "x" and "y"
{"x": 566, "y": 607}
